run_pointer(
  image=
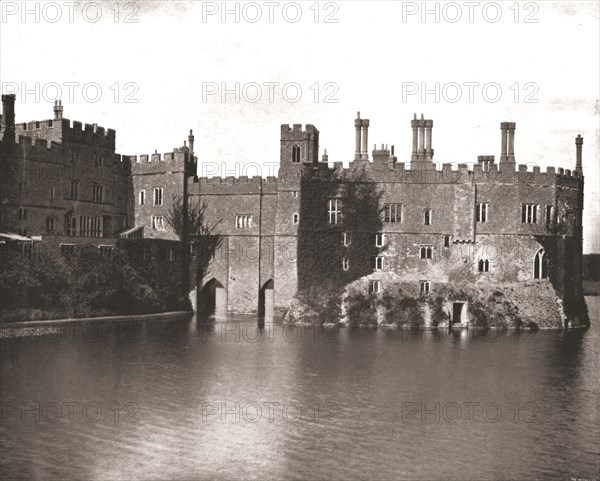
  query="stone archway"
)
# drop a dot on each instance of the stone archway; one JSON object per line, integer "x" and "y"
{"x": 212, "y": 300}
{"x": 266, "y": 301}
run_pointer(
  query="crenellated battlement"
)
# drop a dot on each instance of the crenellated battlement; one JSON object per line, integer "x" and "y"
{"x": 385, "y": 168}
{"x": 65, "y": 131}
{"x": 232, "y": 180}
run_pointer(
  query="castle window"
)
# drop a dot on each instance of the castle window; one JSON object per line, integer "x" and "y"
{"x": 335, "y": 214}
{"x": 97, "y": 162}
{"x": 346, "y": 239}
{"x": 427, "y": 216}
{"x": 295, "y": 154}
{"x": 244, "y": 221}
{"x": 481, "y": 212}
{"x": 97, "y": 193}
{"x": 50, "y": 225}
{"x": 89, "y": 227}
{"x": 425, "y": 287}
{"x": 446, "y": 241}
{"x": 529, "y": 213}
{"x": 540, "y": 265}
{"x": 549, "y": 215}
{"x": 484, "y": 265}
{"x": 426, "y": 252}
{"x": 294, "y": 193}
{"x": 71, "y": 225}
{"x": 158, "y": 196}
{"x": 172, "y": 255}
{"x": 22, "y": 214}
{"x": 393, "y": 213}
{"x": 158, "y": 222}
{"x": 67, "y": 250}
{"x": 20, "y": 187}
{"x": 105, "y": 251}
{"x": 374, "y": 287}
{"x": 146, "y": 254}
{"x": 37, "y": 125}
{"x": 52, "y": 192}
{"x": 345, "y": 264}
{"x": 296, "y": 218}
{"x": 379, "y": 240}
{"x": 74, "y": 190}
{"x": 378, "y": 263}
{"x": 142, "y": 196}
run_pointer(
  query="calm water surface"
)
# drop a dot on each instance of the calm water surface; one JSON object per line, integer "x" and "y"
{"x": 178, "y": 400}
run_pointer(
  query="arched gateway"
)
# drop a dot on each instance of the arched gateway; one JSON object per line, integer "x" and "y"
{"x": 212, "y": 300}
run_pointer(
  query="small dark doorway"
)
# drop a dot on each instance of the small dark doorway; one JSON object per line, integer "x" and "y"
{"x": 457, "y": 309}
{"x": 207, "y": 298}
{"x": 265, "y": 300}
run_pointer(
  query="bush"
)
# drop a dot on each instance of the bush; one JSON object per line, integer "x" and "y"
{"x": 361, "y": 308}
{"x": 88, "y": 285}
{"x": 401, "y": 309}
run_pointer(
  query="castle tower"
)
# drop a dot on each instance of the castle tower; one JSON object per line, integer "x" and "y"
{"x": 298, "y": 147}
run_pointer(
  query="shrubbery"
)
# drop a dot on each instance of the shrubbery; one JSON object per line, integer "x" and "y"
{"x": 86, "y": 284}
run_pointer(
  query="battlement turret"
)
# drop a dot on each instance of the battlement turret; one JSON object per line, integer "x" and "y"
{"x": 298, "y": 146}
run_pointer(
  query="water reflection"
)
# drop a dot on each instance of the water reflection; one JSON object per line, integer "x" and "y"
{"x": 196, "y": 400}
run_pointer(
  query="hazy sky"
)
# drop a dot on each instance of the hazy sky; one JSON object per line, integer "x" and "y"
{"x": 320, "y": 63}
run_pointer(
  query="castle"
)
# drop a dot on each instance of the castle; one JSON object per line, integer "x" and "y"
{"x": 64, "y": 184}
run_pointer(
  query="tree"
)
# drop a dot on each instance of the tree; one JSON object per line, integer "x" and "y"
{"x": 188, "y": 221}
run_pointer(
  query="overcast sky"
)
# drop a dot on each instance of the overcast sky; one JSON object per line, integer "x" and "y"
{"x": 154, "y": 70}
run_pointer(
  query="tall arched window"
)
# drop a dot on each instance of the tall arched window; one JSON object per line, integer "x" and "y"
{"x": 484, "y": 265}
{"x": 295, "y": 153}
{"x": 540, "y": 265}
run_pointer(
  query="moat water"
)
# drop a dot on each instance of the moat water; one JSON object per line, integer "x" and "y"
{"x": 177, "y": 400}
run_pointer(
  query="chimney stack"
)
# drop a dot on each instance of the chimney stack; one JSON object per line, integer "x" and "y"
{"x": 579, "y": 146}
{"x": 503, "y": 142}
{"x": 365, "y": 144}
{"x": 357, "y": 125}
{"x": 428, "y": 149}
{"x": 58, "y": 110}
{"x": 511, "y": 141}
{"x": 8, "y": 116}
{"x": 414, "y": 124}
{"x": 362, "y": 138}
{"x": 191, "y": 142}
{"x": 325, "y": 157}
{"x": 421, "y": 153}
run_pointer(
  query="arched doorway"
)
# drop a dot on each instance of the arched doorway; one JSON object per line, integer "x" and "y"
{"x": 265, "y": 301}
{"x": 212, "y": 300}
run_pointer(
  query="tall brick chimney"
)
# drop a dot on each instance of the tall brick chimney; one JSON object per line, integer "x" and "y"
{"x": 8, "y": 116}
{"x": 579, "y": 146}
{"x": 511, "y": 141}
{"x": 504, "y": 142}
{"x": 191, "y": 142}
{"x": 428, "y": 131}
{"x": 58, "y": 110}
{"x": 414, "y": 123}
{"x": 422, "y": 151}
{"x": 358, "y": 125}
{"x": 365, "y": 140}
